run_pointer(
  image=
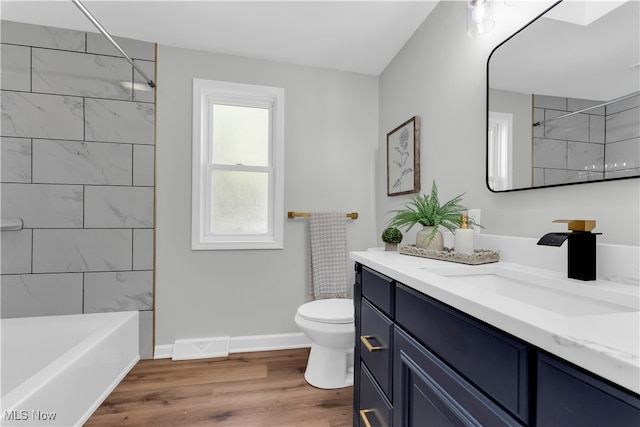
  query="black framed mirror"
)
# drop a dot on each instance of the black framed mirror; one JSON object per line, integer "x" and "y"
{"x": 563, "y": 98}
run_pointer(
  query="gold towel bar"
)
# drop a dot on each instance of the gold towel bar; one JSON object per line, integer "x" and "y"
{"x": 291, "y": 214}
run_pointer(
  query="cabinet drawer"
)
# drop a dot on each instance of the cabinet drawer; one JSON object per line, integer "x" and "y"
{"x": 570, "y": 397}
{"x": 373, "y": 405}
{"x": 488, "y": 358}
{"x": 376, "y": 331}
{"x": 429, "y": 393}
{"x": 379, "y": 289}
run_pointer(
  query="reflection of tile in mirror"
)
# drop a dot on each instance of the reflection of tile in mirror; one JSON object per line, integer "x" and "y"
{"x": 623, "y": 155}
{"x": 563, "y": 176}
{"x": 538, "y": 116}
{"x": 549, "y": 153}
{"x": 623, "y": 125}
{"x": 585, "y": 156}
{"x": 576, "y": 104}
{"x": 623, "y": 105}
{"x": 596, "y": 129}
{"x": 575, "y": 128}
{"x": 538, "y": 177}
{"x": 622, "y": 173}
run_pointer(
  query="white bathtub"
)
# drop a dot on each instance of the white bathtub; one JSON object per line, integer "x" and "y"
{"x": 57, "y": 370}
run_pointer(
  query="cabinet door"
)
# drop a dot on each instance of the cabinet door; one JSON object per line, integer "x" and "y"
{"x": 493, "y": 361}
{"x": 428, "y": 393}
{"x": 570, "y": 397}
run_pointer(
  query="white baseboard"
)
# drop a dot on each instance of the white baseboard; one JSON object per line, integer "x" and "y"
{"x": 241, "y": 344}
{"x": 268, "y": 342}
{"x": 163, "y": 351}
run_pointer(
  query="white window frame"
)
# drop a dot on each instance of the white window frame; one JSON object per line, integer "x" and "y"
{"x": 207, "y": 93}
{"x": 499, "y": 162}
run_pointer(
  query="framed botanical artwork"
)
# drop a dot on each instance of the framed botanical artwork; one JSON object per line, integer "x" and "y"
{"x": 403, "y": 158}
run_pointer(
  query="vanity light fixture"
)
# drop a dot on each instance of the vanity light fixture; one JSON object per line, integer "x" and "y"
{"x": 479, "y": 20}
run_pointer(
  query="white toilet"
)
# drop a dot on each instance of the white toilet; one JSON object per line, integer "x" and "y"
{"x": 329, "y": 324}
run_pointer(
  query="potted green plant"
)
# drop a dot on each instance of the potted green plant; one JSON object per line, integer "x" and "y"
{"x": 391, "y": 236}
{"x": 427, "y": 211}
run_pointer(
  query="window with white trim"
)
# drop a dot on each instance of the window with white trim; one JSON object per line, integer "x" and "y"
{"x": 499, "y": 171}
{"x": 238, "y": 154}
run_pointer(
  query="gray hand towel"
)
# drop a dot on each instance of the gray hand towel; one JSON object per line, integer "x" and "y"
{"x": 327, "y": 255}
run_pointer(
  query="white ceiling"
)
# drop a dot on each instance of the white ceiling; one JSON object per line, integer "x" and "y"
{"x": 358, "y": 36}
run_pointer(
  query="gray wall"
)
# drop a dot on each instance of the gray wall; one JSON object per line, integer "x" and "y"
{"x": 78, "y": 169}
{"x": 330, "y": 140}
{"x": 440, "y": 75}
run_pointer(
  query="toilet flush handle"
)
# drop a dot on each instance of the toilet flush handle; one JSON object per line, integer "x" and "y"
{"x": 370, "y": 347}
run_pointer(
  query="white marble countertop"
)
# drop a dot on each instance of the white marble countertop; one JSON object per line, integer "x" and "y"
{"x": 605, "y": 344}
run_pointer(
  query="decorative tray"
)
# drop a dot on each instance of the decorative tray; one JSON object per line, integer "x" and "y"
{"x": 479, "y": 256}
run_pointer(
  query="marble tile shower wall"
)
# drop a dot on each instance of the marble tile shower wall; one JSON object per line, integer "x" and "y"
{"x": 77, "y": 166}
{"x": 601, "y": 143}
{"x": 622, "y": 144}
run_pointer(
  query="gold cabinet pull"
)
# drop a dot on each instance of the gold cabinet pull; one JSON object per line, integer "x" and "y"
{"x": 370, "y": 347}
{"x": 363, "y": 416}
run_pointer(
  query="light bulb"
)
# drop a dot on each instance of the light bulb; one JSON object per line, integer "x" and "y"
{"x": 479, "y": 13}
{"x": 478, "y": 18}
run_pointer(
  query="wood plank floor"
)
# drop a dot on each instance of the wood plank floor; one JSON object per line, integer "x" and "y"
{"x": 244, "y": 389}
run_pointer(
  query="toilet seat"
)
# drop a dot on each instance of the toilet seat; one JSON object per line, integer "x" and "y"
{"x": 332, "y": 310}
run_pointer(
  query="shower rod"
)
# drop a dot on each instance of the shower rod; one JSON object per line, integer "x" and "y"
{"x": 622, "y": 98}
{"x": 104, "y": 32}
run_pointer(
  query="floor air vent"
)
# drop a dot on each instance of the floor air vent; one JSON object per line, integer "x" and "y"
{"x": 200, "y": 348}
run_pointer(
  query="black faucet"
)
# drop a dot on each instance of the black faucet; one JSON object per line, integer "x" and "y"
{"x": 581, "y": 246}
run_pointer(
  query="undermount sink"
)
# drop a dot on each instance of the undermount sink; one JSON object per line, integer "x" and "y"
{"x": 561, "y": 296}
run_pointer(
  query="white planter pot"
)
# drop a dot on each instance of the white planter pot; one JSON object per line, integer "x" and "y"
{"x": 422, "y": 239}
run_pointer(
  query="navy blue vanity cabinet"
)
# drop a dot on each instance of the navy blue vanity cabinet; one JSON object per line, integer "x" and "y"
{"x": 568, "y": 397}
{"x": 429, "y": 393}
{"x": 441, "y": 366}
{"x": 357, "y": 373}
{"x": 374, "y": 301}
{"x": 489, "y": 359}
